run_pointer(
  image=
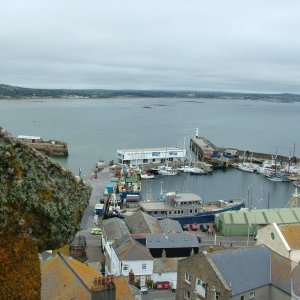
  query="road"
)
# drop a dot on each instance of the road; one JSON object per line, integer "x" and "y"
{"x": 159, "y": 295}
{"x": 93, "y": 250}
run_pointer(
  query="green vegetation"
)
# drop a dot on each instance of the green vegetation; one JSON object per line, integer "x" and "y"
{"x": 12, "y": 92}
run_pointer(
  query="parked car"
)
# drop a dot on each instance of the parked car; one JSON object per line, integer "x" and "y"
{"x": 185, "y": 227}
{"x": 144, "y": 290}
{"x": 203, "y": 227}
{"x": 193, "y": 227}
{"x": 163, "y": 285}
{"x": 96, "y": 231}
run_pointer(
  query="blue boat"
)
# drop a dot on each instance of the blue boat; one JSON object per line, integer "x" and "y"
{"x": 188, "y": 208}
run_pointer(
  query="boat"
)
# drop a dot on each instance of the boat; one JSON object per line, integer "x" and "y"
{"x": 188, "y": 208}
{"x": 279, "y": 177}
{"x": 166, "y": 171}
{"x": 191, "y": 170}
{"x": 247, "y": 167}
{"x": 197, "y": 171}
{"x": 147, "y": 175}
{"x": 49, "y": 147}
{"x": 296, "y": 184}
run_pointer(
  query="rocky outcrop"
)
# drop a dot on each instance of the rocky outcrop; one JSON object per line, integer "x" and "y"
{"x": 37, "y": 196}
{"x": 41, "y": 205}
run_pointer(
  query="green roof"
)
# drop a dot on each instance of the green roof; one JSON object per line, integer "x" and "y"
{"x": 261, "y": 216}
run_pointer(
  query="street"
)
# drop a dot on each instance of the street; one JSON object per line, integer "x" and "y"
{"x": 159, "y": 295}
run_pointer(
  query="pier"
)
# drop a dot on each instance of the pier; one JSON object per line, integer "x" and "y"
{"x": 206, "y": 151}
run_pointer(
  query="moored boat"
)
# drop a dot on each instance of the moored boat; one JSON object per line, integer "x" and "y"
{"x": 188, "y": 208}
{"x": 147, "y": 175}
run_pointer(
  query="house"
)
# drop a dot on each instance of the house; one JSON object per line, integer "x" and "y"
{"x": 128, "y": 255}
{"x": 283, "y": 239}
{"x": 64, "y": 277}
{"x": 173, "y": 244}
{"x": 112, "y": 230}
{"x": 165, "y": 269}
{"x": 246, "y": 273}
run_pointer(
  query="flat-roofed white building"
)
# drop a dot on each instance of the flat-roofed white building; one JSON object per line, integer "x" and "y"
{"x": 150, "y": 155}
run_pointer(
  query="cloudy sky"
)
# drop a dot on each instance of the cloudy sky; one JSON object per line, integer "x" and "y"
{"x": 250, "y": 46}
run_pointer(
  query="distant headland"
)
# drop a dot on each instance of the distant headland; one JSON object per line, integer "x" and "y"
{"x": 14, "y": 92}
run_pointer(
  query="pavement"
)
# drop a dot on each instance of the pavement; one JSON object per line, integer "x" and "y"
{"x": 93, "y": 242}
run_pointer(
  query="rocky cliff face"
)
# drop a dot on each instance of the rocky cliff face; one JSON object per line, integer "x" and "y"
{"x": 45, "y": 200}
{"x": 41, "y": 205}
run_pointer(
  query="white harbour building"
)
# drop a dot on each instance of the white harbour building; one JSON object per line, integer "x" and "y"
{"x": 150, "y": 155}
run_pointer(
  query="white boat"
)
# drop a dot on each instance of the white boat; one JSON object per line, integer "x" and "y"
{"x": 146, "y": 175}
{"x": 296, "y": 184}
{"x": 166, "y": 171}
{"x": 197, "y": 171}
{"x": 191, "y": 170}
{"x": 184, "y": 169}
{"x": 279, "y": 177}
{"x": 247, "y": 167}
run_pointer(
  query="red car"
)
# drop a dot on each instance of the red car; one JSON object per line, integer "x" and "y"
{"x": 193, "y": 227}
{"x": 163, "y": 285}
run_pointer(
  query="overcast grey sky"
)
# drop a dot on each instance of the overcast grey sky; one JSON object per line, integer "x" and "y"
{"x": 251, "y": 46}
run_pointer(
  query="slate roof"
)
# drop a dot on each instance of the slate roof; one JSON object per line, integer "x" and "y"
{"x": 114, "y": 229}
{"x": 172, "y": 240}
{"x": 140, "y": 222}
{"x": 66, "y": 278}
{"x": 281, "y": 272}
{"x": 170, "y": 226}
{"x": 243, "y": 269}
{"x": 129, "y": 249}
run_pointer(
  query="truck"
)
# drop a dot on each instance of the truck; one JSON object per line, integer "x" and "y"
{"x": 99, "y": 209}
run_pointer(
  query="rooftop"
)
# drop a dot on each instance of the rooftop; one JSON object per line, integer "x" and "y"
{"x": 172, "y": 240}
{"x": 291, "y": 233}
{"x": 243, "y": 269}
{"x": 140, "y": 222}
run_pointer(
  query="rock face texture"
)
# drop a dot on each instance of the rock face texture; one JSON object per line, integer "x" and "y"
{"x": 41, "y": 205}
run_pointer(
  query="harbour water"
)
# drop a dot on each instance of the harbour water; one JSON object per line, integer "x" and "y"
{"x": 95, "y": 129}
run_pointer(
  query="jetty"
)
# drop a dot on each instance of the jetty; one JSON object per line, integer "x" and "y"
{"x": 220, "y": 157}
{"x": 48, "y": 147}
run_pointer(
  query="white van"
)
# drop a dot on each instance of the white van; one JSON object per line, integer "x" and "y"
{"x": 173, "y": 285}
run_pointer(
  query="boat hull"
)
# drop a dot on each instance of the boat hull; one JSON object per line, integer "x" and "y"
{"x": 201, "y": 217}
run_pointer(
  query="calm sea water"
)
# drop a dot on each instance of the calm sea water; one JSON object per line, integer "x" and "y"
{"x": 95, "y": 129}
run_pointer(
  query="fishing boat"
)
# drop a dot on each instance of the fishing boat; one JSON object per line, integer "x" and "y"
{"x": 188, "y": 208}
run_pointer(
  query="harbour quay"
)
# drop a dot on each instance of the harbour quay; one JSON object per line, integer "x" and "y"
{"x": 206, "y": 151}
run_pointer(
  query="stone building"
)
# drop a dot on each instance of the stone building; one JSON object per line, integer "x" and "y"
{"x": 240, "y": 274}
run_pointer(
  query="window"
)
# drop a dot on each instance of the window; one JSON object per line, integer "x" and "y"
{"x": 217, "y": 296}
{"x": 187, "y": 277}
{"x": 252, "y": 295}
{"x": 186, "y": 294}
{"x": 144, "y": 266}
{"x": 125, "y": 267}
{"x": 243, "y": 297}
{"x": 191, "y": 211}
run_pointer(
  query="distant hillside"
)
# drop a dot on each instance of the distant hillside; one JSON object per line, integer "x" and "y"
{"x": 13, "y": 92}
